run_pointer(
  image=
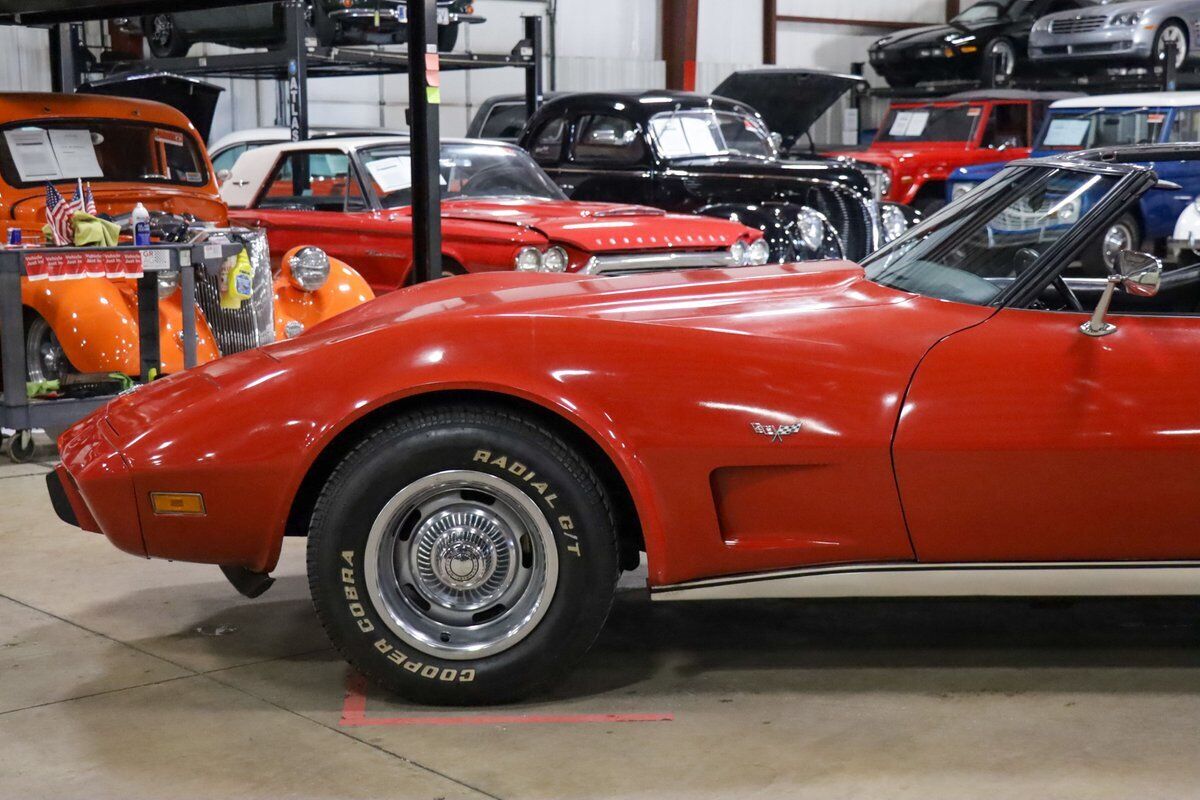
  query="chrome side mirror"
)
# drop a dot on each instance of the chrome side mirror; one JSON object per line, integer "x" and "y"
{"x": 223, "y": 175}
{"x": 1138, "y": 274}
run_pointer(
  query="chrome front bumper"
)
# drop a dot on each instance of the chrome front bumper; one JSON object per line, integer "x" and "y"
{"x": 650, "y": 262}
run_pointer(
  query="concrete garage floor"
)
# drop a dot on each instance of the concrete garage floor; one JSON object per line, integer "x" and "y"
{"x": 113, "y": 684}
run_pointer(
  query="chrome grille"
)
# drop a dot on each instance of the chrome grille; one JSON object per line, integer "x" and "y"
{"x": 1077, "y": 24}
{"x": 850, "y": 214}
{"x": 252, "y": 325}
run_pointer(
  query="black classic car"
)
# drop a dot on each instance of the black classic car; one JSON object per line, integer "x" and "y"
{"x": 986, "y": 42}
{"x": 334, "y": 22}
{"x": 699, "y": 154}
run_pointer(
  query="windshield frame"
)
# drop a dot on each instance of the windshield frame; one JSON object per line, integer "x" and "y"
{"x": 660, "y": 153}
{"x": 1002, "y": 11}
{"x": 1132, "y": 180}
{"x": 554, "y": 193}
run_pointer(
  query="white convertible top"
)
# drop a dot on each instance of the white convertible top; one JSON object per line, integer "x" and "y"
{"x": 254, "y": 167}
{"x": 1133, "y": 100}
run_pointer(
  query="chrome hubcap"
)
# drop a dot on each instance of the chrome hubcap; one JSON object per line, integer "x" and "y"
{"x": 162, "y": 30}
{"x": 1174, "y": 36}
{"x": 461, "y": 564}
{"x": 1117, "y": 239}
{"x": 44, "y": 356}
{"x": 1002, "y": 56}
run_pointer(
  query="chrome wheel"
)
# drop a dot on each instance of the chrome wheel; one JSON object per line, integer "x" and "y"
{"x": 1118, "y": 237}
{"x": 1002, "y": 60}
{"x": 1172, "y": 34}
{"x": 162, "y": 29}
{"x": 44, "y": 356}
{"x": 461, "y": 565}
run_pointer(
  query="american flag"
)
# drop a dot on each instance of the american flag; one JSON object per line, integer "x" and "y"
{"x": 59, "y": 213}
{"x": 89, "y": 201}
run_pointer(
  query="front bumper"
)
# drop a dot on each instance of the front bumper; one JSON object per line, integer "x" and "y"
{"x": 1123, "y": 42}
{"x": 1176, "y": 248}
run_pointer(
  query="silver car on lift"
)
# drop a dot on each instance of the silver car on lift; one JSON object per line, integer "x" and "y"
{"x": 1136, "y": 33}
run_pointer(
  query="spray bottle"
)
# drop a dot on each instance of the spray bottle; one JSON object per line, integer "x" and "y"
{"x": 140, "y": 220}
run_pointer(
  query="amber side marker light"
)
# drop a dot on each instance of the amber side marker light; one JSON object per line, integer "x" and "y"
{"x": 188, "y": 503}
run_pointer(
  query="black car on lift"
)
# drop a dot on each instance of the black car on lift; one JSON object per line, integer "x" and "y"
{"x": 986, "y": 42}
{"x": 701, "y": 154}
{"x": 334, "y": 22}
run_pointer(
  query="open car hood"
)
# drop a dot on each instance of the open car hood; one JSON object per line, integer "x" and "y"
{"x": 789, "y": 100}
{"x": 195, "y": 99}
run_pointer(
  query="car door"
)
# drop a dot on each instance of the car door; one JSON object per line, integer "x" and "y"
{"x": 1023, "y": 439}
{"x": 610, "y": 159}
{"x": 315, "y": 197}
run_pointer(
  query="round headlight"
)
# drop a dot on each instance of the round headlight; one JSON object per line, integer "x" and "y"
{"x": 759, "y": 252}
{"x": 555, "y": 260}
{"x": 959, "y": 188}
{"x": 885, "y": 183}
{"x": 529, "y": 259}
{"x": 309, "y": 268}
{"x": 293, "y": 328}
{"x": 894, "y": 223}
{"x": 737, "y": 252}
{"x": 812, "y": 228}
{"x": 168, "y": 282}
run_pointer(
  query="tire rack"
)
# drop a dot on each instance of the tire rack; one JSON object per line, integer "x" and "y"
{"x": 17, "y": 411}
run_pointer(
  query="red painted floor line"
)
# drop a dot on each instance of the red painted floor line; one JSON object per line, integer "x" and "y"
{"x": 354, "y": 714}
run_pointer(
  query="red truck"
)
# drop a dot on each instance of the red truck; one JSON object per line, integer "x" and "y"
{"x": 921, "y": 142}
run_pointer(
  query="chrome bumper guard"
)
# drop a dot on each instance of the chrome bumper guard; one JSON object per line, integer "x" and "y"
{"x": 611, "y": 265}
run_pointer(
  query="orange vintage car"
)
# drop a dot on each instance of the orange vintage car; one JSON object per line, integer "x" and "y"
{"x": 134, "y": 151}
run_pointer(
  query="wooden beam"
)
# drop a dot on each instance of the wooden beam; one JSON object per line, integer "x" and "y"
{"x": 770, "y": 29}
{"x": 891, "y": 25}
{"x": 952, "y": 8}
{"x": 679, "y": 32}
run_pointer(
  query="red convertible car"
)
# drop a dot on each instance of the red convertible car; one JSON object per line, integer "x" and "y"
{"x": 952, "y": 417}
{"x": 500, "y": 211}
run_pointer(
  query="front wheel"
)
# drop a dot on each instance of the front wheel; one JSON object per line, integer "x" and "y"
{"x": 1100, "y": 259}
{"x": 447, "y": 37}
{"x": 462, "y": 556}
{"x": 999, "y": 63}
{"x": 163, "y": 37}
{"x": 1172, "y": 33}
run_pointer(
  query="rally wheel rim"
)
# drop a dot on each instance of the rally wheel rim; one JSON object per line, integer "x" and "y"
{"x": 461, "y": 565}
{"x": 45, "y": 359}
{"x": 1003, "y": 59}
{"x": 1173, "y": 34}
{"x": 1119, "y": 237}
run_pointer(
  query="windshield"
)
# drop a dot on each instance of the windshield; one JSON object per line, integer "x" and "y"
{"x": 980, "y": 12}
{"x": 1099, "y": 128}
{"x": 466, "y": 170}
{"x": 930, "y": 124}
{"x": 704, "y": 133}
{"x": 32, "y": 153}
{"x": 1000, "y": 232}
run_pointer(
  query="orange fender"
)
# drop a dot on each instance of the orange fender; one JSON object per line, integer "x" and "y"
{"x": 95, "y": 321}
{"x": 344, "y": 290}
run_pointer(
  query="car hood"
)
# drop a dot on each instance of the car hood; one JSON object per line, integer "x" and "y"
{"x": 933, "y": 33}
{"x": 749, "y": 300}
{"x": 118, "y": 199}
{"x": 601, "y": 227}
{"x": 789, "y": 169}
{"x": 789, "y": 100}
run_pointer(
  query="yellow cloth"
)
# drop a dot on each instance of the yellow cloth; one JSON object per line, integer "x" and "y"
{"x": 91, "y": 231}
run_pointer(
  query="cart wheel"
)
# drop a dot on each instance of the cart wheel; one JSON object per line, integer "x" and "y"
{"x": 19, "y": 447}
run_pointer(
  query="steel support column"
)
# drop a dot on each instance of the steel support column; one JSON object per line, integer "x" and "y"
{"x": 296, "y": 28}
{"x": 64, "y": 72}
{"x": 770, "y": 30}
{"x": 679, "y": 31}
{"x": 424, "y": 97}
{"x": 533, "y": 75}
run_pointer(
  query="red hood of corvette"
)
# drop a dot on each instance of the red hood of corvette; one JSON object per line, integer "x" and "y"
{"x": 754, "y": 300}
{"x": 601, "y": 227}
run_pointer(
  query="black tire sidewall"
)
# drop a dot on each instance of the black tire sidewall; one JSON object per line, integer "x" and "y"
{"x": 447, "y": 37}
{"x": 177, "y": 46}
{"x": 354, "y": 498}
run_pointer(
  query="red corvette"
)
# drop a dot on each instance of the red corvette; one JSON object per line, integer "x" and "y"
{"x": 953, "y": 417}
{"x": 500, "y": 211}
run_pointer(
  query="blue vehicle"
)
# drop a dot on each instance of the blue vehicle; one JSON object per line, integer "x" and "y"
{"x": 1082, "y": 123}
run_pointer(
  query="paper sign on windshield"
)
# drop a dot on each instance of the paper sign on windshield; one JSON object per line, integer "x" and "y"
{"x": 909, "y": 123}
{"x": 75, "y": 153}
{"x": 1067, "y": 132}
{"x": 32, "y": 154}
{"x": 391, "y": 174}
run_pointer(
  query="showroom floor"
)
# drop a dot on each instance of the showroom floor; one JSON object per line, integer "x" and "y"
{"x": 134, "y": 679}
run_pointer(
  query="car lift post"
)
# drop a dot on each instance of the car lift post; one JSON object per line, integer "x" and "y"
{"x": 424, "y": 98}
{"x": 533, "y": 73}
{"x": 295, "y": 25}
{"x": 63, "y": 74}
